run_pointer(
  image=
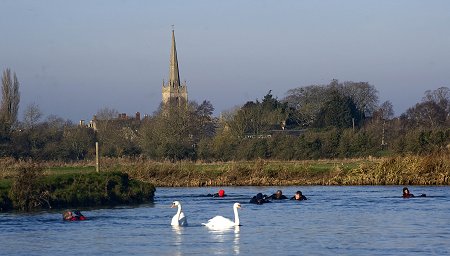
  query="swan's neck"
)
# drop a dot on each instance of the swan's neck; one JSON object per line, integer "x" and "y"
{"x": 236, "y": 216}
{"x": 178, "y": 212}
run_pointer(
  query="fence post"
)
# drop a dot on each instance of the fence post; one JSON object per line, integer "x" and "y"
{"x": 96, "y": 157}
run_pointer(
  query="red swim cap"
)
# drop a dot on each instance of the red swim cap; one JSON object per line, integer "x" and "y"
{"x": 221, "y": 193}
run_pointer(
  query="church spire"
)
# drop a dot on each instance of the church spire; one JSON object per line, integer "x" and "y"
{"x": 174, "y": 90}
{"x": 174, "y": 73}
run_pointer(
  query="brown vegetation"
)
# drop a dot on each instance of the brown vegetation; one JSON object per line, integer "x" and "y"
{"x": 408, "y": 170}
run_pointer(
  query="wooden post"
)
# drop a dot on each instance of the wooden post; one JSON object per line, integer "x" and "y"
{"x": 96, "y": 157}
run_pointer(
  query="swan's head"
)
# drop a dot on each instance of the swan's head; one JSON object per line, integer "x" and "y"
{"x": 175, "y": 204}
{"x": 237, "y": 205}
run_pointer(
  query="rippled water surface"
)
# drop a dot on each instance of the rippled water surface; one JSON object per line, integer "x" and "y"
{"x": 334, "y": 221}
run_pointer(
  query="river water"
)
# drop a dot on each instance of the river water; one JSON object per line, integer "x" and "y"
{"x": 360, "y": 220}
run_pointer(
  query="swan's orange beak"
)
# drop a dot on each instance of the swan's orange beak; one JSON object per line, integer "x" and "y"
{"x": 173, "y": 205}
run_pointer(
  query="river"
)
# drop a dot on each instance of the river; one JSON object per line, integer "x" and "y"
{"x": 357, "y": 220}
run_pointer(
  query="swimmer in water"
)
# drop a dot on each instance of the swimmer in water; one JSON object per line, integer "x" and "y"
{"x": 73, "y": 215}
{"x": 278, "y": 196}
{"x": 299, "y": 196}
{"x": 259, "y": 199}
{"x": 407, "y": 194}
{"x": 221, "y": 193}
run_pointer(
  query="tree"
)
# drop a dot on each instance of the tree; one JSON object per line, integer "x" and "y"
{"x": 171, "y": 133}
{"x": 339, "y": 112}
{"x": 117, "y": 136}
{"x": 274, "y": 112}
{"x": 175, "y": 131}
{"x": 441, "y": 97}
{"x": 10, "y": 99}
{"x": 382, "y": 116}
{"x": 32, "y": 114}
{"x": 206, "y": 124}
{"x": 256, "y": 117}
{"x": 78, "y": 142}
{"x": 426, "y": 114}
{"x": 42, "y": 140}
{"x": 308, "y": 101}
{"x": 386, "y": 110}
{"x": 107, "y": 114}
{"x": 363, "y": 94}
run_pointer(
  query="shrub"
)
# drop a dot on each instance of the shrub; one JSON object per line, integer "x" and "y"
{"x": 24, "y": 192}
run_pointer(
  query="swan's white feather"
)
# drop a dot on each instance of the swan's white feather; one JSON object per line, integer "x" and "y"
{"x": 220, "y": 222}
{"x": 178, "y": 219}
{"x": 179, "y": 222}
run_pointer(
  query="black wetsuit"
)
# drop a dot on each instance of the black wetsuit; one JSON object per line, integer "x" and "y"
{"x": 274, "y": 197}
{"x": 215, "y": 195}
{"x": 300, "y": 199}
{"x": 259, "y": 199}
{"x": 412, "y": 195}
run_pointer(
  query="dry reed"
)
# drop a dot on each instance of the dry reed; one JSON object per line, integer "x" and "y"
{"x": 404, "y": 170}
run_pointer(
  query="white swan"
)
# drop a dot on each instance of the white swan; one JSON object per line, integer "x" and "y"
{"x": 179, "y": 219}
{"x": 220, "y": 222}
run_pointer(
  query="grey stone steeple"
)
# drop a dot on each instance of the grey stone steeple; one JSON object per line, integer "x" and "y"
{"x": 174, "y": 73}
{"x": 174, "y": 91}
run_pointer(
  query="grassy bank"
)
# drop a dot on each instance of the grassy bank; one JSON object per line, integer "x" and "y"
{"x": 123, "y": 181}
{"x": 407, "y": 170}
{"x": 29, "y": 188}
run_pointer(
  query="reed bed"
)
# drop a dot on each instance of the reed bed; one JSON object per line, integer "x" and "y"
{"x": 406, "y": 170}
{"x": 400, "y": 170}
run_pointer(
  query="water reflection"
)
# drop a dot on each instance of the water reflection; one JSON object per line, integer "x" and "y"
{"x": 178, "y": 239}
{"x": 236, "y": 245}
{"x": 178, "y": 234}
{"x": 229, "y": 236}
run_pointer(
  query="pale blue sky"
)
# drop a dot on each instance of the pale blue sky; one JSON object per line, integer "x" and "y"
{"x": 76, "y": 57}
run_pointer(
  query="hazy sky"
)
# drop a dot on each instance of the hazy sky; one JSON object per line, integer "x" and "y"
{"x": 73, "y": 58}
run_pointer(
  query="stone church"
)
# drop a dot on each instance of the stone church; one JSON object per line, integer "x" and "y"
{"x": 173, "y": 91}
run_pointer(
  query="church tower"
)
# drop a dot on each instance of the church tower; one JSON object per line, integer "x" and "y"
{"x": 173, "y": 91}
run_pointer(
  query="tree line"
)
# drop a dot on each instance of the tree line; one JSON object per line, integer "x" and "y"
{"x": 335, "y": 120}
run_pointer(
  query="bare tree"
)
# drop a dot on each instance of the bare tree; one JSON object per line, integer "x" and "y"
{"x": 107, "y": 114}
{"x": 10, "y": 98}
{"x": 31, "y": 116}
{"x": 440, "y": 96}
{"x": 363, "y": 94}
{"x": 384, "y": 113}
{"x": 426, "y": 114}
{"x": 308, "y": 100}
{"x": 386, "y": 110}
{"x": 57, "y": 122}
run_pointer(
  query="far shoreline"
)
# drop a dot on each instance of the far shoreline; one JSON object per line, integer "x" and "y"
{"x": 397, "y": 170}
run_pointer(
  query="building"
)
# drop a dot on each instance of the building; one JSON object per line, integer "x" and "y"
{"x": 122, "y": 120}
{"x": 173, "y": 91}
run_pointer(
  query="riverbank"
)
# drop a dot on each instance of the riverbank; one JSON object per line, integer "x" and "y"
{"x": 30, "y": 189}
{"x": 124, "y": 181}
{"x": 406, "y": 170}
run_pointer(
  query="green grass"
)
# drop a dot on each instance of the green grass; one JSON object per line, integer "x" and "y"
{"x": 82, "y": 189}
{"x": 70, "y": 169}
{"x": 320, "y": 168}
{"x": 5, "y": 184}
{"x": 295, "y": 166}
